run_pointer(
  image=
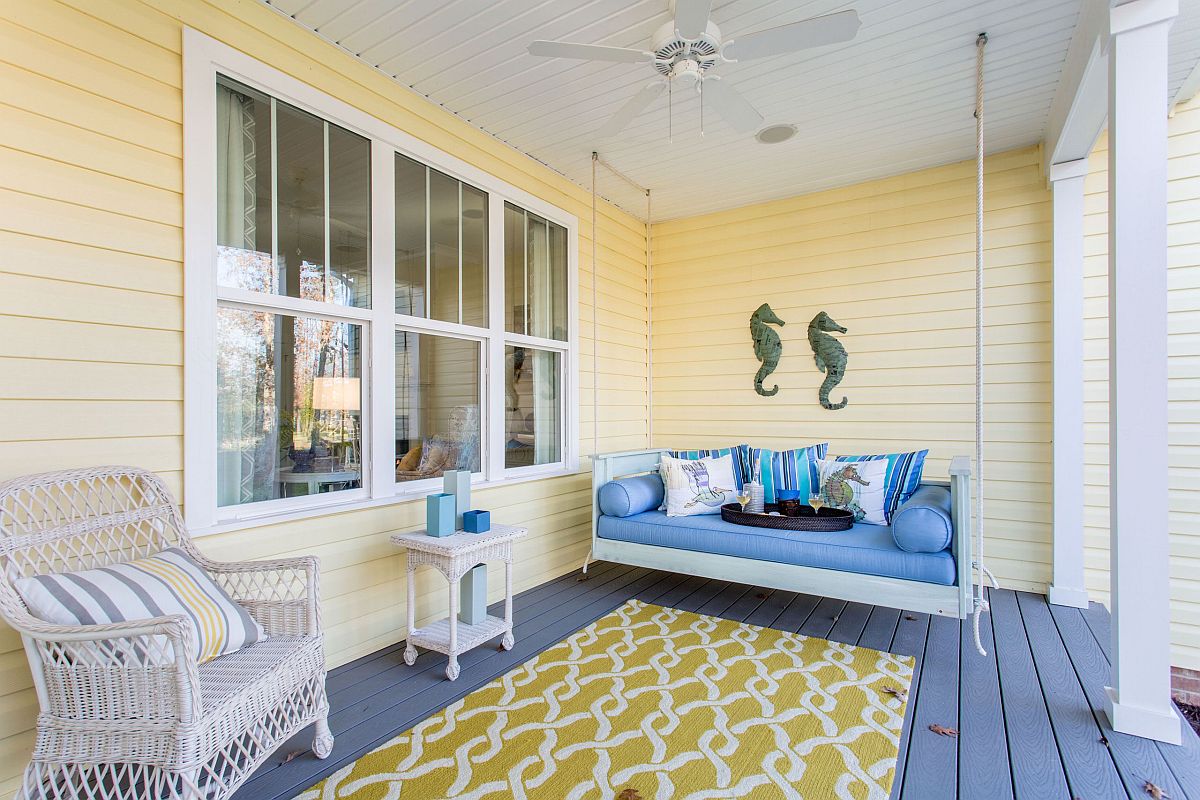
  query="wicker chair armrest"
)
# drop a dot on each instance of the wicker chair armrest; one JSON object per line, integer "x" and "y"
{"x": 173, "y": 626}
{"x": 283, "y": 595}
{"x": 154, "y": 654}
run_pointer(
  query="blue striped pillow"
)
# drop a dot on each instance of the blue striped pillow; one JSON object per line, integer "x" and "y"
{"x": 741, "y": 459}
{"x": 788, "y": 469}
{"x": 903, "y": 476}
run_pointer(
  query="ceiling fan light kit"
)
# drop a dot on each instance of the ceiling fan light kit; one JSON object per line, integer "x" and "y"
{"x": 775, "y": 134}
{"x": 685, "y": 49}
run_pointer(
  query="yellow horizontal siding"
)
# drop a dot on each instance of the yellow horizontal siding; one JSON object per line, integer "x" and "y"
{"x": 91, "y": 307}
{"x": 893, "y": 261}
{"x": 1183, "y": 390}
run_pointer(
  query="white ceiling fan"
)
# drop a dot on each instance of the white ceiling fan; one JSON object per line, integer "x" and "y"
{"x": 686, "y": 48}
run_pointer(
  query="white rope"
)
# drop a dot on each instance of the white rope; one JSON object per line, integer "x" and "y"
{"x": 595, "y": 332}
{"x": 981, "y": 601}
{"x": 650, "y": 328}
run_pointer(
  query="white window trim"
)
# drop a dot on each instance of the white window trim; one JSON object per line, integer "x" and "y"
{"x": 205, "y": 57}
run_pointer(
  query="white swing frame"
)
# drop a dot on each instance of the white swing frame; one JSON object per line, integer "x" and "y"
{"x": 956, "y": 600}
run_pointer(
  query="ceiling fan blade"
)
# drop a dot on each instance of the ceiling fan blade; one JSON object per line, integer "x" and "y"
{"x": 635, "y": 105}
{"x": 731, "y": 105}
{"x": 815, "y": 32}
{"x": 592, "y": 52}
{"x": 691, "y": 17}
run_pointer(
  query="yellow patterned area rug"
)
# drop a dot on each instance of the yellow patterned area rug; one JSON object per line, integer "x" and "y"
{"x": 652, "y": 702}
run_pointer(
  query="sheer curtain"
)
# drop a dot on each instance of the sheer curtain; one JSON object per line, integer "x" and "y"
{"x": 248, "y": 455}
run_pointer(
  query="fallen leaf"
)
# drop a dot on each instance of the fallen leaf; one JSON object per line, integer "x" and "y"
{"x": 292, "y": 755}
{"x": 942, "y": 730}
{"x": 629, "y": 793}
{"x": 899, "y": 694}
{"x": 910, "y": 618}
{"x": 1104, "y": 741}
{"x": 760, "y": 596}
{"x": 1155, "y": 791}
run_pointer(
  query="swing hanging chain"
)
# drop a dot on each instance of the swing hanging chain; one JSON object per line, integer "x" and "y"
{"x": 981, "y": 601}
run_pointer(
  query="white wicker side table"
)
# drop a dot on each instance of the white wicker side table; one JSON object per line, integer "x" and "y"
{"x": 454, "y": 556}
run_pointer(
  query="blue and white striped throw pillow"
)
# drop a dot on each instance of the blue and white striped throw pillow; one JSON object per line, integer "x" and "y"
{"x": 168, "y": 582}
{"x": 788, "y": 469}
{"x": 903, "y": 476}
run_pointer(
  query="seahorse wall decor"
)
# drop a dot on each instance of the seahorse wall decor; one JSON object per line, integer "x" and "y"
{"x": 829, "y": 355}
{"x": 767, "y": 347}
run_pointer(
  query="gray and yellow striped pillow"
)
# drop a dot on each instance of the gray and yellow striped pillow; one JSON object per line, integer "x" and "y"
{"x": 169, "y": 582}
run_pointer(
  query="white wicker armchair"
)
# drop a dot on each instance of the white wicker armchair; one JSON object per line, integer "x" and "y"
{"x": 126, "y": 712}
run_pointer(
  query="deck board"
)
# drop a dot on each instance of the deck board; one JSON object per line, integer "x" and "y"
{"x": 936, "y": 704}
{"x": 1034, "y": 760}
{"x": 981, "y": 744}
{"x": 880, "y": 628}
{"x": 1088, "y": 764}
{"x": 1027, "y": 714}
{"x": 912, "y": 629}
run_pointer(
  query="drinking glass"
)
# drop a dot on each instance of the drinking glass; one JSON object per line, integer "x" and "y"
{"x": 817, "y": 502}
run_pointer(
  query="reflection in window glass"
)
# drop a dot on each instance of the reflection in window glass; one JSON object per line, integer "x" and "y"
{"x": 437, "y": 405}
{"x": 346, "y": 282}
{"x": 316, "y": 205}
{"x": 410, "y": 237}
{"x": 474, "y": 256}
{"x": 443, "y": 247}
{"x": 532, "y": 407}
{"x": 535, "y": 275}
{"x": 514, "y": 270}
{"x": 289, "y": 406}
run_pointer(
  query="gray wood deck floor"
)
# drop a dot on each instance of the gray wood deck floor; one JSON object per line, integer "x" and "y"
{"x": 1029, "y": 715}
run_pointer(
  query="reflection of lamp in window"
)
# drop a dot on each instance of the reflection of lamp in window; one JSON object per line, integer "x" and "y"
{"x": 343, "y": 395}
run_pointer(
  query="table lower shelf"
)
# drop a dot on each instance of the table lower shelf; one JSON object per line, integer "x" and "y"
{"x": 437, "y": 636}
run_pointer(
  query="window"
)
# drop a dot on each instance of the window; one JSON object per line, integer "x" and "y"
{"x": 441, "y": 246}
{"x": 438, "y": 402}
{"x": 535, "y": 276}
{"x": 288, "y": 408}
{"x": 363, "y": 312}
{"x": 293, "y": 221}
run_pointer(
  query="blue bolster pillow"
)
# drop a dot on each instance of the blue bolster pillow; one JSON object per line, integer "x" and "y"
{"x": 628, "y": 496}
{"x": 922, "y": 524}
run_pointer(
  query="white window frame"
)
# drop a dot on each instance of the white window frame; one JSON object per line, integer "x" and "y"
{"x": 203, "y": 59}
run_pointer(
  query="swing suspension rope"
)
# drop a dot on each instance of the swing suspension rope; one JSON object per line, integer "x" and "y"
{"x": 981, "y": 601}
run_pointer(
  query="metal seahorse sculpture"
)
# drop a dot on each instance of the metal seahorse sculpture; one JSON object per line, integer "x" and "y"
{"x": 829, "y": 355}
{"x": 767, "y": 346}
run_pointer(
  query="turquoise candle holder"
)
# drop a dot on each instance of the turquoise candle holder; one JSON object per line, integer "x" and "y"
{"x": 439, "y": 514}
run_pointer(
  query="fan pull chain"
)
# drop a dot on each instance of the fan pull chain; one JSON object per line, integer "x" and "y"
{"x": 701, "y": 108}
{"x": 670, "y": 111}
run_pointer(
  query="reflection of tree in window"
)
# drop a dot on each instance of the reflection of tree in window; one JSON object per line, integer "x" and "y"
{"x": 267, "y": 417}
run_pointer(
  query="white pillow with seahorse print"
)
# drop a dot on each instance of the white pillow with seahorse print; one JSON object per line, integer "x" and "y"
{"x": 699, "y": 486}
{"x": 856, "y": 486}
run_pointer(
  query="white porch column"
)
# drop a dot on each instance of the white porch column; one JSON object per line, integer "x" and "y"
{"x": 1066, "y": 181}
{"x": 1139, "y": 700}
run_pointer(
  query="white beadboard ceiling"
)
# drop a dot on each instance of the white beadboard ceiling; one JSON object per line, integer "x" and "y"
{"x": 897, "y": 98}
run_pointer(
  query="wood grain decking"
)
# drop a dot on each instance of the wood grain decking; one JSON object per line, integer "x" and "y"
{"x": 1028, "y": 715}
